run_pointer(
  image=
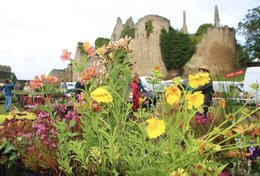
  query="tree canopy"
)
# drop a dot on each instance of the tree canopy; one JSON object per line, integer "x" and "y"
{"x": 99, "y": 42}
{"x": 249, "y": 28}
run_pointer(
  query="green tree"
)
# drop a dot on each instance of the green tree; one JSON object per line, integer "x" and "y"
{"x": 241, "y": 56}
{"x": 249, "y": 28}
{"x": 99, "y": 42}
{"x": 177, "y": 48}
{"x": 127, "y": 31}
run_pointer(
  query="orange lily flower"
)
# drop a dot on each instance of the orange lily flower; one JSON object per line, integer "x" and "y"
{"x": 65, "y": 55}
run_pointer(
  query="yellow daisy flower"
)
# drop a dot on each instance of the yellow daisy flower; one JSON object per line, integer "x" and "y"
{"x": 101, "y": 95}
{"x": 199, "y": 79}
{"x": 255, "y": 86}
{"x": 155, "y": 127}
{"x": 179, "y": 172}
{"x": 222, "y": 103}
{"x": 230, "y": 117}
{"x": 172, "y": 95}
{"x": 196, "y": 99}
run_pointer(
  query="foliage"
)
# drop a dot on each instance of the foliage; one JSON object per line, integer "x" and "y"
{"x": 249, "y": 28}
{"x": 148, "y": 27}
{"x": 98, "y": 134}
{"x": 177, "y": 48}
{"x": 241, "y": 57}
{"x": 201, "y": 31}
{"x": 99, "y": 42}
{"x": 127, "y": 31}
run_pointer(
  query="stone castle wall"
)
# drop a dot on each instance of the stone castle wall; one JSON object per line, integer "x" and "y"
{"x": 5, "y": 68}
{"x": 146, "y": 50}
{"x": 216, "y": 50}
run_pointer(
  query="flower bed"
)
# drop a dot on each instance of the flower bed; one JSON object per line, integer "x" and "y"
{"x": 98, "y": 134}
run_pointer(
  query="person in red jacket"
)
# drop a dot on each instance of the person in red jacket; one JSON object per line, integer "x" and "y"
{"x": 135, "y": 92}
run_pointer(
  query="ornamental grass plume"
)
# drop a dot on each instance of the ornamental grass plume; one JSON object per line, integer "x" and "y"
{"x": 155, "y": 127}
{"x": 101, "y": 95}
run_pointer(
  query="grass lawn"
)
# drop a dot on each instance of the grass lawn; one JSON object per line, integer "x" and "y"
{"x": 2, "y": 108}
{"x": 222, "y": 77}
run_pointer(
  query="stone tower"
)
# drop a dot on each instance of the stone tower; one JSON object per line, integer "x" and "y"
{"x": 216, "y": 18}
{"x": 184, "y": 28}
{"x": 216, "y": 50}
{"x": 117, "y": 30}
{"x": 146, "y": 49}
{"x": 129, "y": 22}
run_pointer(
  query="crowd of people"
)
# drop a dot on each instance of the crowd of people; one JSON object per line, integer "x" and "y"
{"x": 136, "y": 90}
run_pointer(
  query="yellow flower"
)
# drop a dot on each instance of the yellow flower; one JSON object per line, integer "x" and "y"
{"x": 228, "y": 134}
{"x": 254, "y": 86}
{"x": 110, "y": 55}
{"x": 196, "y": 99}
{"x": 86, "y": 46}
{"x": 222, "y": 103}
{"x": 232, "y": 154}
{"x": 241, "y": 129}
{"x": 156, "y": 68}
{"x": 172, "y": 95}
{"x": 230, "y": 117}
{"x": 101, "y": 95}
{"x": 202, "y": 145}
{"x": 199, "y": 79}
{"x": 102, "y": 50}
{"x": 200, "y": 166}
{"x": 141, "y": 100}
{"x": 155, "y": 127}
{"x": 179, "y": 172}
{"x": 176, "y": 80}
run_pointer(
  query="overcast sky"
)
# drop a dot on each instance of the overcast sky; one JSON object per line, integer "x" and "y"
{"x": 33, "y": 33}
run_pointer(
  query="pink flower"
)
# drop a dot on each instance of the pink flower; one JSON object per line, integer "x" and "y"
{"x": 53, "y": 131}
{"x": 54, "y": 145}
{"x": 65, "y": 55}
{"x": 89, "y": 50}
{"x": 28, "y": 135}
{"x": 90, "y": 73}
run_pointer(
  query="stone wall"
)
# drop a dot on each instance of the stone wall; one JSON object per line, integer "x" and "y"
{"x": 62, "y": 74}
{"x": 216, "y": 50}
{"x": 5, "y": 68}
{"x": 146, "y": 50}
{"x": 6, "y": 73}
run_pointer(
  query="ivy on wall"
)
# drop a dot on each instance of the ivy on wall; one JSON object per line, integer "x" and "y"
{"x": 149, "y": 28}
{"x": 203, "y": 29}
{"x": 127, "y": 31}
{"x": 177, "y": 48}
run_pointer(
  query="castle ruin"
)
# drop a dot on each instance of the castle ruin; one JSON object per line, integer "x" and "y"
{"x": 216, "y": 49}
